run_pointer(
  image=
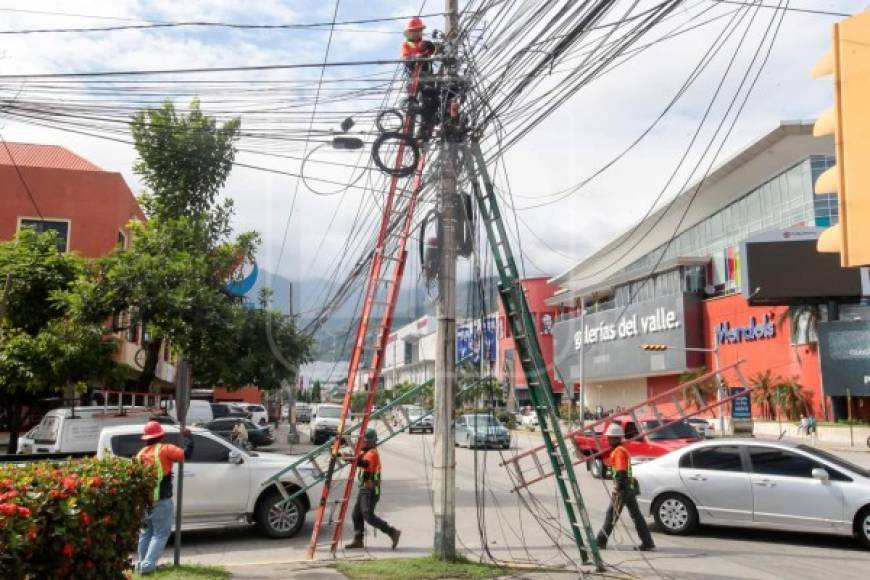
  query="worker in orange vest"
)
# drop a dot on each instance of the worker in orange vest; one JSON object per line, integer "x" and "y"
{"x": 158, "y": 521}
{"x": 624, "y": 492}
{"x": 428, "y": 95}
{"x": 369, "y": 470}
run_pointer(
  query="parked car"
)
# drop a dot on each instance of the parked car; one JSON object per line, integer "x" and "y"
{"x": 704, "y": 428}
{"x": 420, "y": 420}
{"x": 758, "y": 484}
{"x": 258, "y": 435}
{"x": 220, "y": 410}
{"x": 325, "y": 424}
{"x": 225, "y": 485}
{"x": 198, "y": 412}
{"x": 654, "y": 445}
{"x": 481, "y": 430}
{"x": 259, "y": 415}
{"x": 303, "y": 413}
{"x": 26, "y": 442}
{"x": 529, "y": 420}
{"x": 77, "y": 429}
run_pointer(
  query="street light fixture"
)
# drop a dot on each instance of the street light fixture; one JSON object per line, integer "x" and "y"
{"x": 715, "y": 353}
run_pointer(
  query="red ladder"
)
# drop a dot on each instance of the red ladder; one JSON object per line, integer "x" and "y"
{"x": 385, "y": 278}
{"x": 647, "y": 407}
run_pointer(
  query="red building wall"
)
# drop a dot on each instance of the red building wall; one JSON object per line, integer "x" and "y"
{"x": 777, "y": 354}
{"x": 98, "y": 204}
{"x": 537, "y": 291}
{"x": 249, "y": 394}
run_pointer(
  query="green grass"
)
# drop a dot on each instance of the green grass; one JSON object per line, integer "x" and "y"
{"x": 426, "y": 568}
{"x": 187, "y": 573}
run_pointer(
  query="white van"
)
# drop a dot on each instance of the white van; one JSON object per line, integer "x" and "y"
{"x": 198, "y": 413}
{"x": 77, "y": 429}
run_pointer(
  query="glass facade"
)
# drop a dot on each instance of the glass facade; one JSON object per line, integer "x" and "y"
{"x": 785, "y": 200}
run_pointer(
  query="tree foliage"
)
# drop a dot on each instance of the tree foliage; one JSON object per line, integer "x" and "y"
{"x": 42, "y": 348}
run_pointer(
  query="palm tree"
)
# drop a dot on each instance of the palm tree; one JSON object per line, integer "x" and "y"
{"x": 765, "y": 394}
{"x": 793, "y": 315}
{"x": 707, "y": 388}
{"x": 793, "y": 399}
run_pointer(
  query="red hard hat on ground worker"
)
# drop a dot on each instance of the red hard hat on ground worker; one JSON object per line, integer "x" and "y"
{"x": 415, "y": 23}
{"x": 152, "y": 430}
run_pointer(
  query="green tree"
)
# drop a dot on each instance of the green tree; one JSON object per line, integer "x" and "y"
{"x": 43, "y": 349}
{"x": 315, "y": 392}
{"x": 707, "y": 388}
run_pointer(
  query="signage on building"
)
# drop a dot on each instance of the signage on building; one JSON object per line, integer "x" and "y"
{"x": 609, "y": 346}
{"x": 844, "y": 348}
{"x": 475, "y": 339}
{"x": 755, "y": 330}
{"x": 741, "y": 407}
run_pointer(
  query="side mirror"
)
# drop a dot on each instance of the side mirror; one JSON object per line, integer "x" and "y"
{"x": 820, "y": 474}
{"x": 236, "y": 458}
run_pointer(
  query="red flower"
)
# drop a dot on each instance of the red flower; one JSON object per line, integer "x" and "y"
{"x": 70, "y": 482}
{"x": 89, "y": 564}
{"x": 97, "y": 481}
{"x": 85, "y": 518}
{"x": 8, "y": 495}
{"x": 107, "y": 520}
{"x": 31, "y": 534}
{"x": 7, "y": 509}
{"x": 23, "y": 511}
{"x": 7, "y": 483}
{"x": 68, "y": 550}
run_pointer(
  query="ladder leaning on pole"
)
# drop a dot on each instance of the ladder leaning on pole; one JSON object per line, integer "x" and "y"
{"x": 525, "y": 337}
{"x": 381, "y": 295}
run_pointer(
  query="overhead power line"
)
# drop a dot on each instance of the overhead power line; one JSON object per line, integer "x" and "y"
{"x": 786, "y": 8}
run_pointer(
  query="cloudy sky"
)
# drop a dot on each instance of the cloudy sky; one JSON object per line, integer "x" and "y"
{"x": 593, "y": 126}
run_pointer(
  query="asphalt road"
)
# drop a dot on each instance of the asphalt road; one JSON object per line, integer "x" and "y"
{"x": 513, "y": 533}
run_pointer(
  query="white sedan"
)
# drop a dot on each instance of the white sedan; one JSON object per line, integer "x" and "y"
{"x": 759, "y": 484}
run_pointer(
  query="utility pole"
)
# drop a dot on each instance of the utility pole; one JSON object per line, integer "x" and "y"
{"x": 444, "y": 460}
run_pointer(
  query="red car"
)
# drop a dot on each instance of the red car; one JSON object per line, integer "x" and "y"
{"x": 648, "y": 447}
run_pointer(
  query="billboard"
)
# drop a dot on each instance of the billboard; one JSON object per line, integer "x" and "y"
{"x": 784, "y": 267}
{"x": 845, "y": 355}
{"x": 476, "y": 339}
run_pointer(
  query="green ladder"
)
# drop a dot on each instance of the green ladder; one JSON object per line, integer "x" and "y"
{"x": 525, "y": 337}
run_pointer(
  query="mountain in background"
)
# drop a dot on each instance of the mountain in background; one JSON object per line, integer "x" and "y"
{"x": 335, "y": 336}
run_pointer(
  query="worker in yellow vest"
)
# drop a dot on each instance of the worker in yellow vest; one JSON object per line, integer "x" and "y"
{"x": 158, "y": 521}
{"x": 624, "y": 492}
{"x": 369, "y": 470}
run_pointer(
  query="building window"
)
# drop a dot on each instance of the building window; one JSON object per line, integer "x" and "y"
{"x": 409, "y": 352}
{"x": 61, "y": 227}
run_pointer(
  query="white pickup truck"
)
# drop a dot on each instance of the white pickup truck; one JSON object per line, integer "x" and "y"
{"x": 225, "y": 485}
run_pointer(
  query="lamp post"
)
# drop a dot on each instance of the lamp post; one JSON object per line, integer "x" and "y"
{"x": 716, "y": 364}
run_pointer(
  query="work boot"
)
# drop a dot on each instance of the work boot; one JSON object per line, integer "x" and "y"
{"x": 601, "y": 541}
{"x": 356, "y": 544}
{"x": 394, "y": 536}
{"x": 645, "y": 548}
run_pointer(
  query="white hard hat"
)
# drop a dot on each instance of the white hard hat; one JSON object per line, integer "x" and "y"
{"x": 614, "y": 430}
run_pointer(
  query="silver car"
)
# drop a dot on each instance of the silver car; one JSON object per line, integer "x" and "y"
{"x": 759, "y": 484}
{"x": 480, "y": 430}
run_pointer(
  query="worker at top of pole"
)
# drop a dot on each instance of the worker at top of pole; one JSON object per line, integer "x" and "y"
{"x": 414, "y": 46}
{"x": 624, "y": 492}
{"x": 369, "y": 469}
{"x": 427, "y": 98}
{"x": 158, "y": 521}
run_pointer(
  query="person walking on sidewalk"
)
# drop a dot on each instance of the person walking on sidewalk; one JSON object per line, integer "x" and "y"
{"x": 158, "y": 521}
{"x": 624, "y": 493}
{"x": 369, "y": 469}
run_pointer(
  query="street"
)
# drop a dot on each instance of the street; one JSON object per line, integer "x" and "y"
{"x": 514, "y": 535}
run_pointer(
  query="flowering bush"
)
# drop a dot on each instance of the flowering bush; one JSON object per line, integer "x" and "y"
{"x": 77, "y": 519}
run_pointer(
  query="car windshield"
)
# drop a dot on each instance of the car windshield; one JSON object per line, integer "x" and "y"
{"x": 681, "y": 430}
{"x": 481, "y": 421}
{"x": 414, "y": 411}
{"x": 831, "y": 458}
{"x": 328, "y": 412}
{"x": 46, "y": 431}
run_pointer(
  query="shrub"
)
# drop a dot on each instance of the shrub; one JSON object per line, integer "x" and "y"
{"x": 77, "y": 519}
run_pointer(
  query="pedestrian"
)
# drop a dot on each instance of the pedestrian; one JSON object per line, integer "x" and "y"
{"x": 158, "y": 521}
{"x": 369, "y": 469}
{"x": 240, "y": 435}
{"x": 624, "y": 492}
{"x": 811, "y": 424}
{"x": 599, "y": 412}
{"x": 804, "y": 426}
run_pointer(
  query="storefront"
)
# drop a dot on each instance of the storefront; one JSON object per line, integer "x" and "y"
{"x": 845, "y": 358}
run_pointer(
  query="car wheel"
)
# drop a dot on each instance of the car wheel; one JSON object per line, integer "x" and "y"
{"x": 278, "y": 520}
{"x": 597, "y": 468}
{"x": 862, "y": 527}
{"x": 675, "y": 514}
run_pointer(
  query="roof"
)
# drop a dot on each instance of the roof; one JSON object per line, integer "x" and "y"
{"x": 47, "y": 156}
{"x": 787, "y": 144}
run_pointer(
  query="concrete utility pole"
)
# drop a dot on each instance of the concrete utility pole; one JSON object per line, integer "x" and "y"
{"x": 444, "y": 460}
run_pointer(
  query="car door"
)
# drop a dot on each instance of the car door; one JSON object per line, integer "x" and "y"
{"x": 213, "y": 486}
{"x": 461, "y": 436}
{"x": 786, "y": 494}
{"x": 718, "y": 480}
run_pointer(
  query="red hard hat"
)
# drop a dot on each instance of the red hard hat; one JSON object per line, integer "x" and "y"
{"x": 153, "y": 430}
{"x": 415, "y": 24}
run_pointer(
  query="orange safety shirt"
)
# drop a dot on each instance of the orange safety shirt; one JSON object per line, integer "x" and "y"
{"x": 370, "y": 469}
{"x": 169, "y": 454}
{"x": 412, "y": 49}
{"x": 620, "y": 459}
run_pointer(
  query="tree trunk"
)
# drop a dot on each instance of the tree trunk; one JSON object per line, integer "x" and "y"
{"x": 149, "y": 369}
{"x": 14, "y": 426}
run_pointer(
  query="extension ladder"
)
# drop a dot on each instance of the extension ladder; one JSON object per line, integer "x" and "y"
{"x": 525, "y": 336}
{"x": 381, "y": 295}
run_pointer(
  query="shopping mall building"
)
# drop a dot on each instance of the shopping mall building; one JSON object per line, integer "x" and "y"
{"x": 681, "y": 277}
